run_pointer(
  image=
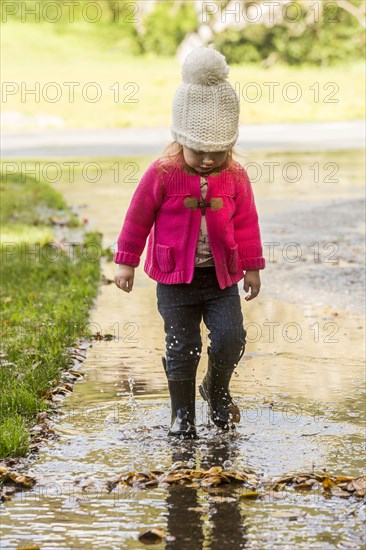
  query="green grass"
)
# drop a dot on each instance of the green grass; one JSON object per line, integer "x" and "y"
{"x": 46, "y": 294}
{"x": 76, "y": 53}
{"x": 14, "y": 440}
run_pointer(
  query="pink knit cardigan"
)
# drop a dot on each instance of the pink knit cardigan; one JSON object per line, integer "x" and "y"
{"x": 158, "y": 210}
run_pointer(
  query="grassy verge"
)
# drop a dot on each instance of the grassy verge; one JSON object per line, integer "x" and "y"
{"x": 138, "y": 91}
{"x": 47, "y": 290}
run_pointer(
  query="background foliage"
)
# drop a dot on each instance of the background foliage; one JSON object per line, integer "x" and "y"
{"x": 131, "y": 27}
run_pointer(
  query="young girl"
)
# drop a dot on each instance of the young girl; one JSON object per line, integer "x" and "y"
{"x": 196, "y": 205}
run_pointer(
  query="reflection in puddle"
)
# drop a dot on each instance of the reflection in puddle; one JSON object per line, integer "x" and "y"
{"x": 300, "y": 387}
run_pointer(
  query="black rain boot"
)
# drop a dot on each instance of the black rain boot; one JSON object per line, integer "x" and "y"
{"x": 183, "y": 405}
{"x": 215, "y": 390}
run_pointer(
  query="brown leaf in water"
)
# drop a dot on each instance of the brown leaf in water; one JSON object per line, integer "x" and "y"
{"x": 215, "y": 479}
{"x": 338, "y": 492}
{"x": 320, "y": 477}
{"x": 235, "y": 476}
{"x": 328, "y": 484}
{"x": 173, "y": 478}
{"x": 250, "y": 495}
{"x": 128, "y": 478}
{"x": 111, "y": 484}
{"x": 21, "y": 480}
{"x": 9, "y": 489}
{"x": 77, "y": 373}
{"x": 29, "y": 547}
{"x": 61, "y": 390}
{"x": 152, "y": 536}
{"x": 303, "y": 487}
{"x": 197, "y": 474}
{"x": 343, "y": 479}
{"x": 224, "y": 478}
{"x": 359, "y": 485}
{"x": 301, "y": 479}
{"x": 141, "y": 477}
{"x": 252, "y": 479}
{"x": 284, "y": 480}
{"x": 214, "y": 470}
{"x": 210, "y": 481}
{"x": 312, "y": 482}
{"x": 3, "y": 471}
{"x": 152, "y": 483}
{"x": 293, "y": 478}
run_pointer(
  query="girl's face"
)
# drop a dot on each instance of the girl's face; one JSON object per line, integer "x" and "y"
{"x": 203, "y": 162}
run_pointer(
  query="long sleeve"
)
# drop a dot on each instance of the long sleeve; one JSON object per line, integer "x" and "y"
{"x": 140, "y": 217}
{"x": 246, "y": 226}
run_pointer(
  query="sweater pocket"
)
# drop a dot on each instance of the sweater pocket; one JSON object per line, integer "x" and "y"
{"x": 233, "y": 260}
{"x": 165, "y": 259}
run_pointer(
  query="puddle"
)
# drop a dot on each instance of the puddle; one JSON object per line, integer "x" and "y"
{"x": 300, "y": 387}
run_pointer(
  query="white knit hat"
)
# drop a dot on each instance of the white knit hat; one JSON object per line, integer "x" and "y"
{"x": 205, "y": 106}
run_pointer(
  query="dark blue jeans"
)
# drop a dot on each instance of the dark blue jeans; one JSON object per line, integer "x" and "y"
{"x": 182, "y": 306}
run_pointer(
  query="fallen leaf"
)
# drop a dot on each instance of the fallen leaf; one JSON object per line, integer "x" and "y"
{"x": 359, "y": 485}
{"x": 152, "y": 536}
{"x": 328, "y": 484}
{"x": 337, "y": 492}
{"x": 215, "y": 470}
{"x": 152, "y": 483}
{"x": 343, "y": 479}
{"x": 250, "y": 495}
{"x": 217, "y": 480}
{"x": 235, "y": 476}
{"x": 197, "y": 473}
{"x": 21, "y": 480}
{"x": 303, "y": 487}
{"x": 210, "y": 481}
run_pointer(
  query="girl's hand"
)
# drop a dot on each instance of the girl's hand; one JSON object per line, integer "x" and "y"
{"x": 124, "y": 277}
{"x": 252, "y": 282}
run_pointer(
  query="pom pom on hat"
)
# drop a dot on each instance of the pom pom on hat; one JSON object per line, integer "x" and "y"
{"x": 205, "y": 106}
{"x": 204, "y": 66}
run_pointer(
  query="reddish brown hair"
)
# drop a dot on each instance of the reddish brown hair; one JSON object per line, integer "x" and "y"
{"x": 173, "y": 155}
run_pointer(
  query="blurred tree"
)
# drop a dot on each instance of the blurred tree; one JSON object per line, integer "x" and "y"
{"x": 166, "y": 25}
{"x": 295, "y": 32}
{"x": 356, "y": 8}
{"x": 319, "y": 32}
